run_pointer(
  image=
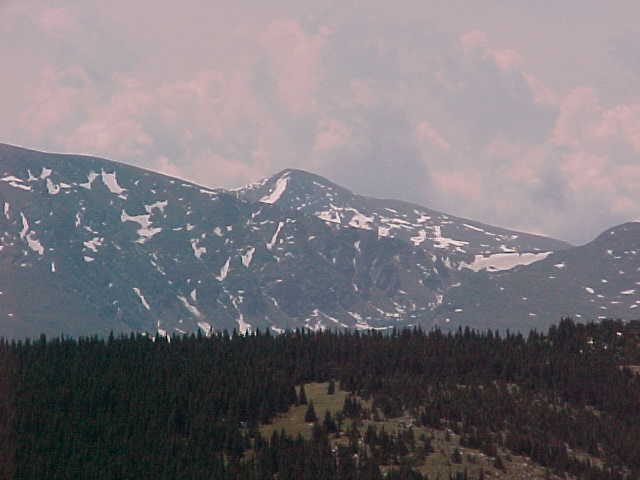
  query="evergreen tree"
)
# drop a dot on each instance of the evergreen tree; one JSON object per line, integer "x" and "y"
{"x": 310, "y": 415}
{"x": 332, "y": 387}
{"x": 302, "y": 397}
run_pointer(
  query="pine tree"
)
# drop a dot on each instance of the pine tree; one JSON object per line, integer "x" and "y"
{"x": 332, "y": 388}
{"x": 302, "y": 397}
{"x": 310, "y": 416}
{"x": 329, "y": 423}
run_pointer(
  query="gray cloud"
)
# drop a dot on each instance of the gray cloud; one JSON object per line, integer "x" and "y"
{"x": 518, "y": 114}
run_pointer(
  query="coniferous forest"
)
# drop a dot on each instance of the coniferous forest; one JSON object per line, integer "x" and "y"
{"x": 191, "y": 407}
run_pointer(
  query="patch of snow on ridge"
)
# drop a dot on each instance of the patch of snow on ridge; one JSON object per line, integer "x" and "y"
{"x": 360, "y": 220}
{"x": 16, "y": 182}
{"x": 243, "y": 326}
{"x": 590, "y": 290}
{"x": 94, "y": 243}
{"x": 141, "y": 297}
{"x": 503, "y": 261}
{"x": 52, "y": 188}
{"x": 90, "y": 178}
{"x": 157, "y": 205}
{"x": 45, "y": 173}
{"x": 248, "y": 256}
{"x": 205, "y": 327}
{"x": 420, "y": 238}
{"x": 146, "y": 231}
{"x": 471, "y": 227}
{"x": 224, "y": 271}
{"x": 7, "y": 208}
{"x": 111, "y": 182}
{"x": 329, "y": 216}
{"x": 628, "y": 292}
{"x": 281, "y": 186}
{"x": 192, "y": 309}
{"x": 197, "y": 250}
{"x": 29, "y": 236}
{"x": 275, "y": 236}
{"x": 444, "y": 242}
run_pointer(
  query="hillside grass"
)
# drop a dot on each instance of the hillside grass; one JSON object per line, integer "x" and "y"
{"x": 436, "y": 465}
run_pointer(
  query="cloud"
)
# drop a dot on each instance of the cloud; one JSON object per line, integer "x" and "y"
{"x": 467, "y": 110}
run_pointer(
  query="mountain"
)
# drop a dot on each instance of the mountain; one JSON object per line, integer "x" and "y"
{"x": 89, "y": 246}
{"x": 464, "y": 242}
{"x": 594, "y": 281}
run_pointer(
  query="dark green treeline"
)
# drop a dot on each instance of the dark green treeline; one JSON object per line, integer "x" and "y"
{"x": 133, "y": 407}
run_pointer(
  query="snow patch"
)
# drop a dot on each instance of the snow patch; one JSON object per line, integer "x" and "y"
{"x": 192, "y": 309}
{"x": 281, "y": 186}
{"x": 146, "y": 231}
{"x": 243, "y": 326}
{"x": 420, "y": 238}
{"x": 197, "y": 250}
{"x": 111, "y": 182}
{"x": 248, "y": 256}
{"x": 52, "y": 188}
{"x": 141, "y": 297}
{"x": 275, "y": 236}
{"x": 361, "y": 221}
{"x": 444, "y": 242}
{"x": 29, "y": 236}
{"x": 94, "y": 243}
{"x": 16, "y": 182}
{"x": 329, "y": 216}
{"x": 90, "y": 178}
{"x": 224, "y": 271}
{"x": 503, "y": 261}
{"x": 160, "y": 205}
{"x": 205, "y": 327}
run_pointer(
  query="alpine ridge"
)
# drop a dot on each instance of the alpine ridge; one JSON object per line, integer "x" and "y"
{"x": 90, "y": 246}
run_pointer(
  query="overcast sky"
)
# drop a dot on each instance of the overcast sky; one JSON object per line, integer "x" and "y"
{"x": 516, "y": 113}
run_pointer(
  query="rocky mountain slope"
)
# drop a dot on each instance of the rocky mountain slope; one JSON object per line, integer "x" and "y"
{"x": 594, "y": 281}
{"x": 466, "y": 243}
{"x": 89, "y": 245}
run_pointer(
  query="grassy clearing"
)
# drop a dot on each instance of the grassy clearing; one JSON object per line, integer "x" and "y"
{"x": 293, "y": 422}
{"x": 436, "y": 465}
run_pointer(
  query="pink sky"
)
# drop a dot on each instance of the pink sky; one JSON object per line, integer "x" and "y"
{"x": 516, "y": 114}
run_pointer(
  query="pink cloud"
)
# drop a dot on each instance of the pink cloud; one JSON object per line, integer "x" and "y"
{"x": 621, "y": 122}
{"x": 586, "y": 171}
{"x": 331, "y": 134}
{"x": 56, "y": 20}
{"x": 295, "y": 60}
{"x": 425, "y": 132}
{"x": 56, "y": 98}
{"x": 477, "y": 42}
{"x": 474, "y": 39}
{"x": 506, "y": 60}
{"x": 578, "y": 112}
{"x": 457, "y": 183}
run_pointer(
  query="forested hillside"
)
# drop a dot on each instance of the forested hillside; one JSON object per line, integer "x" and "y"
{"x": 197, "y": 407}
